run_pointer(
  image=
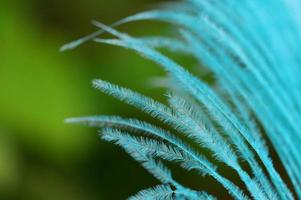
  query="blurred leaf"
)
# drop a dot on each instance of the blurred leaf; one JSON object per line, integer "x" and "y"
{"x": 39, "y": 88}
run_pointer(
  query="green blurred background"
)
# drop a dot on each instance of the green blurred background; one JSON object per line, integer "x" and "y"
{"x": 41, "y": 158}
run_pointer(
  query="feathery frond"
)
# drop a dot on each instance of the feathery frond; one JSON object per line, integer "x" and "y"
{"x": 253, "y": 50}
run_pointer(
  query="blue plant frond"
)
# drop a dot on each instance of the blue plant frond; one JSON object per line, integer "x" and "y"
{"x": 219, "y": 146}
{"x": 172, "y": 44}
{"x": 253, "y": 138}
{"x": 205, "y": 95}
{"x": 160, "y": 192}
{"x": 164, "y": 192}
{"x": 143, "y": 150}
{"x": 253, "y": 50}
{"x": 190, "y": 158}
{"x": 180, "y": 150}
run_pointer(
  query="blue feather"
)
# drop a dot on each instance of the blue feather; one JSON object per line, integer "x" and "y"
{"x": 253, "y": 49}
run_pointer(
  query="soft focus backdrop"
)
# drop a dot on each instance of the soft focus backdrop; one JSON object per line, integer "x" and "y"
{"x": 41, "y": 158}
